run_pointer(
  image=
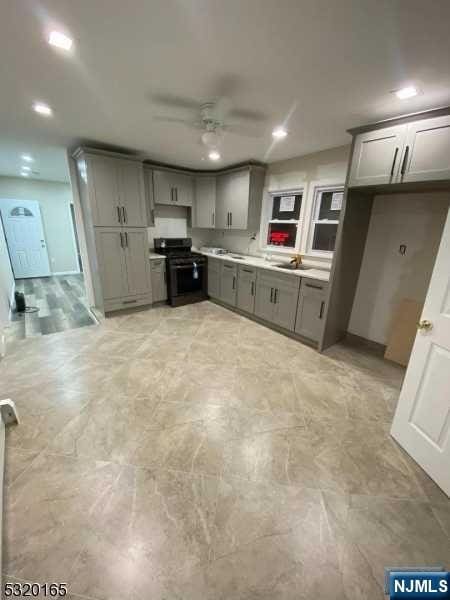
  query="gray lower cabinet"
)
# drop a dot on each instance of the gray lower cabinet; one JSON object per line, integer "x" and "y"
{"x": 214, "y": 274}
{"x": 123, "y": 266}
{"x": 311, "y": 306}
{"x": 277, "y": 298}
{"x": 228, "y": 283}
{"x": 159, "y": 282}
{"x": 246, "y": 288}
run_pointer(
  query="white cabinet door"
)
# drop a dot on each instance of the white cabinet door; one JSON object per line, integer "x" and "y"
{"x": 137, "y": 262}
{"x": 204, "y": 202}
{"x": 427, "y": 150}
{"x": 377, "y": 156}
{"x": 422, "y": 420}
{"x": 238, "y": 199}
{"x": 132, "y": 196}
{"x": 103, "y": 176}
{"x": 111, "y": 261}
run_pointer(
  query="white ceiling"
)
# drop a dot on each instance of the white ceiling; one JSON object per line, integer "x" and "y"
{"x": 319, "y": 66}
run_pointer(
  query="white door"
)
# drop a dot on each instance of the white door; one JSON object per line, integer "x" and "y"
{"x": 422, "y": 420}
{"x": 25, "y": 237}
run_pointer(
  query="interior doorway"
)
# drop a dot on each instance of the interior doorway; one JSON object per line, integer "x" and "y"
{"x": 24, "y": 231}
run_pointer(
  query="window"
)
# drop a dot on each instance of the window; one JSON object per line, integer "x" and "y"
{"x": 283, "y": 220}
{"x": 326, "y": 212}
{"x": 19, "y": 211}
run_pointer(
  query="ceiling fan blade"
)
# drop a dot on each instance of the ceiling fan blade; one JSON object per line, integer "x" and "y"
{"x": 175, "y": 101}
{"x": 247, "y": 114}
{"x": 167, "y": 119}
{"x": 243, "y": 130}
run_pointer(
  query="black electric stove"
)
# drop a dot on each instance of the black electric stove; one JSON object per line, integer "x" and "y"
{"x": 186, "y": 270}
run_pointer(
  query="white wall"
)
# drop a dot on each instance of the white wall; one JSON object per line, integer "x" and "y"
{"x": 54, "y": 199}
{"x": 386, "y": 276}
{"x": 174, "y": 221}
{"x": 6, "y": 281}
{"x": 328, "y": 165}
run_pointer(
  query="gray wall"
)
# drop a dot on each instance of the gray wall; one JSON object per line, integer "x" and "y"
{"x": 54, "y": 199}
{"x": 6, "y": 281}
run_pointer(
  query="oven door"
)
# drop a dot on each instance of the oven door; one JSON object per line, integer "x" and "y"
{"x": 184, "y": 284}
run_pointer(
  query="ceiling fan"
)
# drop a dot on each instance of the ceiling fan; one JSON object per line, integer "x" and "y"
{"x": 212, "y": 119}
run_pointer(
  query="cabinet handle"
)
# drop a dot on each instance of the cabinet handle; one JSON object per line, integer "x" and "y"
{"x": 322, "y": 305}
{"x": 231, "y": 219}
{"x": 271, "y": 295}
{"x": 129, "y": 301}
{"x": 121, "y": 239}
{"x": 126, "y": 239}
{"x": 393, "y": 162}
{"x": 248, "y": 270}
{"x": 171, "y": 195}
{"x": 176, "y": 194}
{"x": 252, "y": 289}
{"x": 234, "y": 282}
{"x": 212, "y": 218}
{"x": 405, "y": 160}
{"x": 124, "y": 212}
{"x": 152, "y": 212}
{"x": 316, "y": 287}
{"x": 275, "y": 296}
{"x": 118, "y": 214}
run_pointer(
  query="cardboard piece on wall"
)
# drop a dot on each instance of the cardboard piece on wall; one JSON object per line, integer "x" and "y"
{"x": 403, "y": 331}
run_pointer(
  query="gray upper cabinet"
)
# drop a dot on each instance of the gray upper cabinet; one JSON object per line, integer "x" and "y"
{"x": 203, "y": 214}
{"x": 228, "y": 283}
{"x": 103, "y": 178}
{"x": 132, "y": 194}
{"x": 414, "y": 151}
{"x": 277, "y": 298}
{"x": 246, "y": 288}
{"x": 426, "y": 156}
{"x": 232, "y": 205}
{"x": 158, "y": 277}
{"x": 173, "y": 188}
{"x": 311, "y": 306}
{"x": 117, "y": 192}
{"x": 149, "y": 196}
{"x": 214, "y": 274}
{"x": 377, "y": 156}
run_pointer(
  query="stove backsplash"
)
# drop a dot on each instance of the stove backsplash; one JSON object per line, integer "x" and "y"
{"x": 174, "y": 221}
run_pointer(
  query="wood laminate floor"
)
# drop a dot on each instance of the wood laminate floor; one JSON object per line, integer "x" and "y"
{"x": 61, "y": 303}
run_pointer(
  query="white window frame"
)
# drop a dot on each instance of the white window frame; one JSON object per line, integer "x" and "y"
{"x": 267, "y": 219}
{"x": 317, "y": 189}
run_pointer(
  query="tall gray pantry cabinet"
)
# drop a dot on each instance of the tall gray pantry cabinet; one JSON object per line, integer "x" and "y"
{"x": 115, "y": 215}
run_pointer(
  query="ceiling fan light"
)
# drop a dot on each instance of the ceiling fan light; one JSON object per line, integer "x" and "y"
{"x": 210, "y": 139}
{"x": 214, "y": 155}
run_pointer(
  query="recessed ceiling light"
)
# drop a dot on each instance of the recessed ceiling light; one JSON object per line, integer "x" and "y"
{"x": 42, "y": 109}
{"x": 279, "y": 133}
{"x": 58, "y": 39}
{"x": 214, "y": 155}
{"x": 27, "y": 158}
{"x": 406, "y": 92}
{"x": 26, "y": 168}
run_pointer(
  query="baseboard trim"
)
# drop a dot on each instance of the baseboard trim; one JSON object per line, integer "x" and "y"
{"x": 66, "y": 273}
{"x": 357, "y": 340}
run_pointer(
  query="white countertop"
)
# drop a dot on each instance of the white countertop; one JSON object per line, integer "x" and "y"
{"x": 261, "y": 263}
{"x": 154, "y": 256}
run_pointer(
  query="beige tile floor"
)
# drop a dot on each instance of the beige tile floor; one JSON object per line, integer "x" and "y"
{"x": 192, "y": 454}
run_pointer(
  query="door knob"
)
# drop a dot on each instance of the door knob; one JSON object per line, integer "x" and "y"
{"x": 425, "y": 325}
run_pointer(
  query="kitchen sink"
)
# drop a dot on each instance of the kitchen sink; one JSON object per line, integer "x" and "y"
{"x": 292, "y": 267}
